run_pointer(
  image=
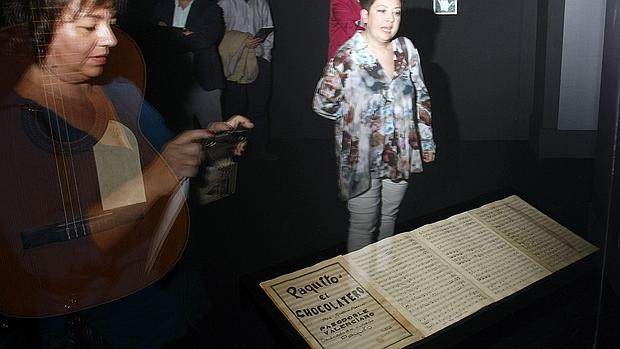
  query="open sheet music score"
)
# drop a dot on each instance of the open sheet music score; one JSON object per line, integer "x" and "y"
{"x": 420, "y": 282}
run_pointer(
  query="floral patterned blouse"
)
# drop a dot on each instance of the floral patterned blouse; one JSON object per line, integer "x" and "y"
{"x": 376, "y": 133}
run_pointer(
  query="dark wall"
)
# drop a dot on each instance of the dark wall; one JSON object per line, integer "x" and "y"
{"x": 298, "y": 58}
{"x": 605, "y": 209}
{"x": 485, "y": 57}
{"x": 606, "y": 196}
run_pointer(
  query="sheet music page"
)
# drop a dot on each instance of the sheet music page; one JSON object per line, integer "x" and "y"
{"x": 331, "y": 306}
{"x": 411, "y": 285}
{"x": 173, "y": 207}
{"x": 432, "y": 295}
{"x": 480, "y": 254}
{"x": 536, "y": 234}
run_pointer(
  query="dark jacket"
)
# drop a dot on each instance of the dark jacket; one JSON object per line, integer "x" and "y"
{"x": 206, "y": 22}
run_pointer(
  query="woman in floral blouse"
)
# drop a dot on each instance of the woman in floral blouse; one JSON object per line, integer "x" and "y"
{"x": 369, "y": 89}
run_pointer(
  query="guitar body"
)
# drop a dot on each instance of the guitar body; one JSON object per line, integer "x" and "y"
{"x": 53, "y": 178}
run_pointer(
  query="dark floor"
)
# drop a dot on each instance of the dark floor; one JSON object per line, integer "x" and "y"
{"x": 288, "y": 209}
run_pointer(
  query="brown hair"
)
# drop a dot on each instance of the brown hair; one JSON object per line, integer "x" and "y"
{"x": 42, "y": 16}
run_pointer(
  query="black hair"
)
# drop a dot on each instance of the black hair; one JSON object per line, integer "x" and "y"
{"x": 367, "y": 3}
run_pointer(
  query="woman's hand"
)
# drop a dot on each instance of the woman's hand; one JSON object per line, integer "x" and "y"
{"x": 428, "y": 156}
{"x": 230, "y": 124}
{"x": 183, "y": 154}
{"x": 234, "y": 122}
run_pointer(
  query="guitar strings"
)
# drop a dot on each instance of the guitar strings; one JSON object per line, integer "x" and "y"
{"x": 63, "y": 169}
{"x": 73, "y": 176}
{"x": 34, "y": 6}
{"x": 71, "y": 164}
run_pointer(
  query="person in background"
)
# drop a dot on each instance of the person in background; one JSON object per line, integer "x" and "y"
{"x": 382, "y": 137}
{"x": 344, "y": 21}
{"x": 251, "y": 99}
{"x": 188, "y": 33}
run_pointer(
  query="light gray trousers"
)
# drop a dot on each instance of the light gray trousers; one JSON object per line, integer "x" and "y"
{"x": 382, "y": 199}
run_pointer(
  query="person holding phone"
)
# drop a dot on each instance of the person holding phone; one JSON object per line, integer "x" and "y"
{"x": 374, "y": 91}
{"x": 60, "y": 117}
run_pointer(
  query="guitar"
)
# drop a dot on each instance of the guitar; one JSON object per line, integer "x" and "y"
{"x": 89, "y": 215}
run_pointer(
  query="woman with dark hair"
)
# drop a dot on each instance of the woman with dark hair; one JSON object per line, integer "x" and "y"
{"x": 369, "y": 89}
{"x": 96, "y": 215}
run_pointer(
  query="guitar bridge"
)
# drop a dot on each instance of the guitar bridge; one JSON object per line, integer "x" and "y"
{"x": 80, "y": 228}
{"x": 48, "y": 234}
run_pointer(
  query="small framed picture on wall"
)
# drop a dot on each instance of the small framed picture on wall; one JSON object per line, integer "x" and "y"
{"x": 445, "y": 7}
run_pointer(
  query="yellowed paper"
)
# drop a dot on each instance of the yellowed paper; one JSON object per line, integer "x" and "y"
{"x": 333, "y": 307}
{"x": 545, "y": 240}
{"x": 430, "y": 292}
{"x": 433, "y": 276}
{"x": 175, "y": 203}
{"x": 481, "y": 255}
